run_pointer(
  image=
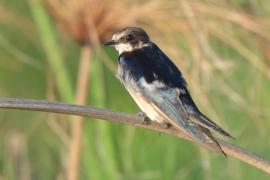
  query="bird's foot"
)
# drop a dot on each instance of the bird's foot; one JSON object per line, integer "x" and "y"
{"x": 141, "y": 114}
{"x": 146, "y": 119}
{"x": 166, "y": 125}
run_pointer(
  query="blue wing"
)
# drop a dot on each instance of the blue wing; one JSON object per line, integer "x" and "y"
{"x": 152, "y": 64}
{"x": 166, "y": 104}
{"x": 143, "y": 69}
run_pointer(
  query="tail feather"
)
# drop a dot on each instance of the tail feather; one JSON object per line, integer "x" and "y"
{"x": 210, "y": 136}
{"x": 204, "y": 121}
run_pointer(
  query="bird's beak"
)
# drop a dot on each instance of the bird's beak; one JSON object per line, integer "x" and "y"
{"x": 110, "y": 43}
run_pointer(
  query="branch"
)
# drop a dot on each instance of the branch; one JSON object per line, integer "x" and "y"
{"x": 86, "y": 111}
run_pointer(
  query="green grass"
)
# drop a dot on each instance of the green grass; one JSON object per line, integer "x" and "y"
{"x": 115, "y": 151}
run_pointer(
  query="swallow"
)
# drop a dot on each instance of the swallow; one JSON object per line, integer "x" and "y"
{"x": 158, "y": 86}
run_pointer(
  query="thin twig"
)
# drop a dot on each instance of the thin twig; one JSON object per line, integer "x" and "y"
{"x": 55, "y": 107}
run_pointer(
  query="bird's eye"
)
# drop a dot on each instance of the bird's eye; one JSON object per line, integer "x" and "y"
{"x": 129, "y": 37}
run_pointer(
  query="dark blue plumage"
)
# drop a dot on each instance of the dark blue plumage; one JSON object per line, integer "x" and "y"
{"x": 158, "y": 87}
{"x": 152, "y": 64}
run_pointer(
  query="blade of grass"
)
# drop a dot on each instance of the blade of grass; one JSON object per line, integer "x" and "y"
{"x": 104, "y": 140}
{"x": 51, "y": 48}
{"x": 18, "y": 54}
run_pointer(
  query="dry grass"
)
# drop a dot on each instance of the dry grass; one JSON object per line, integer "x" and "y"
{"x": 82, "y": 19}
{"x": 186, "y": 30}
{"x": 193, "y": 24}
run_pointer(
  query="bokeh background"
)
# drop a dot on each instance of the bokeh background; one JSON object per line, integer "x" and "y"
{"x": 52, "y": 49}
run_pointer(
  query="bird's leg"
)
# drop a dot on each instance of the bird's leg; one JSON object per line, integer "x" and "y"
{"x": 146, "y": 119}
{"x": 166, "y": 125}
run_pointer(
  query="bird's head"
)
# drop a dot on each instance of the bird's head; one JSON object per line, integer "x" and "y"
{"x": 129, "y": 39}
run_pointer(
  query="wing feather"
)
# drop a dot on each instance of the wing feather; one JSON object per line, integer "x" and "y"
{"x": 171, "y": 109}
{"x": 167, "y": 104}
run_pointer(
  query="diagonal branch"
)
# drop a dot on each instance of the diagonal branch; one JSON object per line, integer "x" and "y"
{"x": 113, "y": 116}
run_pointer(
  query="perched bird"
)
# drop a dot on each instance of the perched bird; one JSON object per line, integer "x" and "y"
{"x": 158, "y": 87}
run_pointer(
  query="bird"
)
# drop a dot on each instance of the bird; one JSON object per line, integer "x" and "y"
{"x": 158, "y": 86}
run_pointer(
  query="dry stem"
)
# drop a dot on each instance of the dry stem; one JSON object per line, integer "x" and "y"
{"x": 76, "y": 129}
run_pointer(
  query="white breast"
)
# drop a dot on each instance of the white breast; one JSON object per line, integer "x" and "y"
{"x": 145, "y": 106}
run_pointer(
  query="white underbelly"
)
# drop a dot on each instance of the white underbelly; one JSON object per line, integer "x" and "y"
{"x": 145, "y": 106}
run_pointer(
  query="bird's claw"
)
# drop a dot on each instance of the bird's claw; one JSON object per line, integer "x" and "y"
{"x": 141, "y": 114}
{"x": 146, "y": 119}
{"x": 167, "y": 125}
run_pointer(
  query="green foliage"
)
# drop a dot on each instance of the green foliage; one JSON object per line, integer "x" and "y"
{"x": 34, "y": 145}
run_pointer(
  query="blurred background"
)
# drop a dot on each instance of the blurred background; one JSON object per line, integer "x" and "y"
{"x": 52, "y": 50}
